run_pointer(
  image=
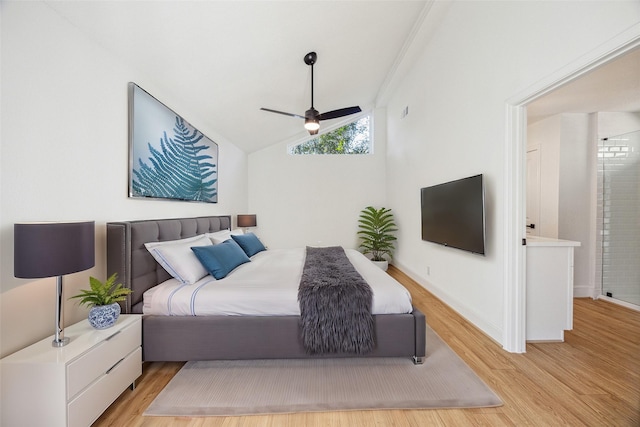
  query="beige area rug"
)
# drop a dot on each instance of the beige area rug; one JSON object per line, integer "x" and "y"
{"x": 219, "y": 388}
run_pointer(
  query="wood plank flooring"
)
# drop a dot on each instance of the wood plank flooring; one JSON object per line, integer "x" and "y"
{"x": 592, "y": 379}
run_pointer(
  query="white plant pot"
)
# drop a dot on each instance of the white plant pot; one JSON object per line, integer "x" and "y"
{"x": 383, "y": 265}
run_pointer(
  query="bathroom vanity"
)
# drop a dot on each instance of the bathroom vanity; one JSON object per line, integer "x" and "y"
{"x": 549, "y": 288}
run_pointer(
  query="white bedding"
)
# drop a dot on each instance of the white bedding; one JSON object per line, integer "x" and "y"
{"x": 266, "y": 286}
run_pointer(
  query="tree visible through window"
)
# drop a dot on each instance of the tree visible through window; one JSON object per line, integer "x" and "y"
{"x": 352, "y": 138}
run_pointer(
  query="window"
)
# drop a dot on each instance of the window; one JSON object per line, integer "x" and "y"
{"x": 352, "y": 138}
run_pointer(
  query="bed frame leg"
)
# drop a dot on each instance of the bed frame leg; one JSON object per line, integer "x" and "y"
{"x": 417, "y": 360}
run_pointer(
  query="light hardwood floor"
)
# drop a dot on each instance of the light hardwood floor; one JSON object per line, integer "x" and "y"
{"x": 592, "y": 379}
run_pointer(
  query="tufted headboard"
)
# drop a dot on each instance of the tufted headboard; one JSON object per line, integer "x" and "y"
{"x": 136, "y": 268}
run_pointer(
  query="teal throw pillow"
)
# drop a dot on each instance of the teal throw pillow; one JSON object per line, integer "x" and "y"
{"x": 249, "y": 243}
{"x": 221, "y": 259}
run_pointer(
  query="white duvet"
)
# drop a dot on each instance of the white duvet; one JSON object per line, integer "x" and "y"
{"x": 266, "y": 286}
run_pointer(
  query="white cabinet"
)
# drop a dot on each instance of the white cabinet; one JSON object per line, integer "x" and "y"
{"x": 71, "y": 385}
{"x": 549, "y": 288}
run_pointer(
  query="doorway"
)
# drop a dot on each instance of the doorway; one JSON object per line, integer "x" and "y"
{"x": 533, "y": 192}
{"x": 515, "y": 185}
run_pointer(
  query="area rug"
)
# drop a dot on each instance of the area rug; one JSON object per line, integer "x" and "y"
{"x": 249, "y": 387}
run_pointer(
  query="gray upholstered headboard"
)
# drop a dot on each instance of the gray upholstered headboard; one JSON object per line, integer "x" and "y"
{"x": 136, "y": 268}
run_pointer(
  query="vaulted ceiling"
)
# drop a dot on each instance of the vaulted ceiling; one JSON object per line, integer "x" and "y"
{"x": 227, "y": 59}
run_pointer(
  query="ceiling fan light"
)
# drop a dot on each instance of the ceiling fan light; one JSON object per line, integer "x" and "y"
{"x": 311, "y": 124}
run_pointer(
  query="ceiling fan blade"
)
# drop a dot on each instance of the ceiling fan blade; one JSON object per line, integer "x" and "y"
{"x": 283, "y": 113}
{"x": 339, "y": 113}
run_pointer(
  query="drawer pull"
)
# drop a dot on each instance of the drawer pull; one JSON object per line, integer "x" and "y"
{"x": 111, "y": 336}
{"x": 113, "y": 367}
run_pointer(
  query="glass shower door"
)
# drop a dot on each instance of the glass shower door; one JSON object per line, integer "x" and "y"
{"x": 619, "y": 216}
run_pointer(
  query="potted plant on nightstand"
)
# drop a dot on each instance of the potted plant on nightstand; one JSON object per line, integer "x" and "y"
{"x": 103, "y": 299}
{"x": 376, "y": 228}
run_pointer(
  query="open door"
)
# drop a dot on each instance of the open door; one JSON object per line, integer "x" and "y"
{"x": 533, "y": 192}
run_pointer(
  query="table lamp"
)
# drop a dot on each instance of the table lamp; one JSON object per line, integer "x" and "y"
{"x": 247, "y": 220}
{"x": 47, "y": 249}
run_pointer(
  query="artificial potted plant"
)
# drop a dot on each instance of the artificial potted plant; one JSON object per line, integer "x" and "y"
{"x": 376, "y": 228}
{"x": 103, "y": 299}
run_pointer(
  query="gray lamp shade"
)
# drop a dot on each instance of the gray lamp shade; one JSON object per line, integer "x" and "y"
{"x": 47, "y": 249}
{"x": 247, "y": 220}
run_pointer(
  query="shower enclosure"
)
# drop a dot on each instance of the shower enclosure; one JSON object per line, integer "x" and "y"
{"x": 618, "y": 221}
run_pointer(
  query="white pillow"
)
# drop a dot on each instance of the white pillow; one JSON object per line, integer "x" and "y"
{"x": 178, "y": 259}
{"x": 218, "y": 237}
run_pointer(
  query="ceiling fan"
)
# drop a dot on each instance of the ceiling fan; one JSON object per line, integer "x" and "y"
{"x": 312, "y": 117}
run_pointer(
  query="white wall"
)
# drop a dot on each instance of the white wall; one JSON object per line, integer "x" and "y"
{"x": 482, "y": 54}
{"x": 576, "y": 194}
{"x": 304, "y": 200}
{"x": 64, "y": 154}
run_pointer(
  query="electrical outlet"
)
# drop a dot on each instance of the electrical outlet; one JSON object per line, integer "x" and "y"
{"x": 610, "y": 295}
{"x": 428, "y": 271}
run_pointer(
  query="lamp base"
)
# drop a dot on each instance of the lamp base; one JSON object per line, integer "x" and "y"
{"x": 59, "y": 339}
{"x": 60, "y": 342}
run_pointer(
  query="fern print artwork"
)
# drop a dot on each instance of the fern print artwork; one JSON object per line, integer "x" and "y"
{"x": 170, "y": 158}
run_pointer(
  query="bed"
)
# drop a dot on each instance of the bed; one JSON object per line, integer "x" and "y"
{"x": 182, "y": 336}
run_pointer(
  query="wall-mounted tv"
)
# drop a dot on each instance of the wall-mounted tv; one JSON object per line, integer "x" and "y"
{"x": 453, "y": 214}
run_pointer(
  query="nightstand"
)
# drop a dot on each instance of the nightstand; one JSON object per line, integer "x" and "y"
{"x": 71, "y": 385}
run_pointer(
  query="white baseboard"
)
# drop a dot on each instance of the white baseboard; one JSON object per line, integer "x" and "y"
{"x": 492, "y": 331}
{"x": 584, "y": 292}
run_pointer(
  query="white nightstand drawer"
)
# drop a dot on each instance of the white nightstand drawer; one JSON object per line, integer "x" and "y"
{"x": 94, "y": 363}
{"x": 89, "y": 404}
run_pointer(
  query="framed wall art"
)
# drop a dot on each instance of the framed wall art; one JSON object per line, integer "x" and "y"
{"x": 168, "y": 158}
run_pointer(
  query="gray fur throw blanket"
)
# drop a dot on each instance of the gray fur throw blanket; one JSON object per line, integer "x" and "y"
{"x": 335, "y": 304}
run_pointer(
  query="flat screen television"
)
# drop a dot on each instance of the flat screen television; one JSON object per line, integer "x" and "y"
{"x": 453, "y": 214}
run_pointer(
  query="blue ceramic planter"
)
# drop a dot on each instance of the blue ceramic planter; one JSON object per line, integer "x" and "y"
{"x": 104, "y": 316}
